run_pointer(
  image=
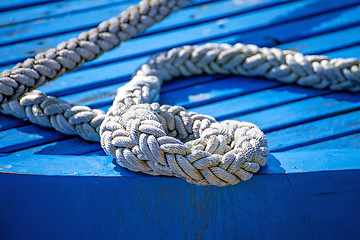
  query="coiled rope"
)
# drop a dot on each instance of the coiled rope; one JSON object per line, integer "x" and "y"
{"x": 165, "y": 140}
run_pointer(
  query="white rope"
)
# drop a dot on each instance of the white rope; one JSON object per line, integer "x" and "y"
{"x": 168, "y": 140}
{"x": 68, "y": 56}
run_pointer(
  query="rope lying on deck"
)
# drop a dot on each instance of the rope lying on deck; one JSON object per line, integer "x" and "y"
{"x": 166, "y": 140}
{"x": 67, "y": 56}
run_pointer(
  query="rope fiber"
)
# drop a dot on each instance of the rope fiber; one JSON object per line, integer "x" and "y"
{"x": 165, "y": 140}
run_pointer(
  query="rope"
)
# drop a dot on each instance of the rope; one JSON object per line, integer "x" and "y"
{"x": 167, "y": 140}
{"x": 67, "y": 56}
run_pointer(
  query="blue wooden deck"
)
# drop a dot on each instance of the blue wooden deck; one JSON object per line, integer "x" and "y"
{"x": 62, "y": 187}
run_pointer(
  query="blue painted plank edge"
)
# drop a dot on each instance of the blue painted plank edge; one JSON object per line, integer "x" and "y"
{"x": 317, "y": 206}
{"x": 103, "y": 166}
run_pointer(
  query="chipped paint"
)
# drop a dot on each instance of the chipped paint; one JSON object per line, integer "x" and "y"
{"x": 200, "y": 97}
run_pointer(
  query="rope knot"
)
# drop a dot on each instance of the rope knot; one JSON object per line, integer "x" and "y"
{"x": 167, "y": 140}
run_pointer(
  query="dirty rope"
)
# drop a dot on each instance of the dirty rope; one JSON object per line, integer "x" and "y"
{"x": 165, "y": 140}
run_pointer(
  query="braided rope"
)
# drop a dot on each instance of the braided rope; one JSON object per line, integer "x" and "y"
{"x": 250, "y": 60}
{"x": 69, "y": 55}
{"x": 168, "y": 140}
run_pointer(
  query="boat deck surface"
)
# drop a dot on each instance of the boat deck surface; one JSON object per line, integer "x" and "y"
{"x": 65, "y": 187}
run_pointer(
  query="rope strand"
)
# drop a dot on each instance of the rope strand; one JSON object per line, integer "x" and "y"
{"x": 69, "y": 55}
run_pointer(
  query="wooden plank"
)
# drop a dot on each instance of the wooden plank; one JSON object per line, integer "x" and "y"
{"x": 79, "y": 78}
{"x": 29, "y": 48}
{"x": 211, "y": 11}
{"x": 106, "y": 94}
{"x": 7, "y": 122}
{"x": 239, "y": 105}
{"x": 207, "y": 212}
{"x": 7, "y": 5}
{"x": 71, "y": 146}
{"x": 13, "y": 12}
{"x": 79, "y": 81}
{"x": 27, "y": 136}
{"x": 64, "y": 165}
{"x": 333, "y": 41}
{"x": 88, "y": 19}
{"x": 85, "y": 20}
{"x": 259, "y": 101}
{"x": 91, "y": 197}
{"x": 273, "y": 96}
{"x": 272, "y": 119}
{"x": 313, "y": 132}
{"x": 326, "y": 22}
{"x": 349, "y": 142}
{"x": 50, "y": 9}
{"x": 213, "y": 95}
{"x": 256, "y": 101}
{"x": 278, "y": 140}
{"x": 349, "y": 52}
{"x": 187, "y": 97}
{"x": 174, "y": 39}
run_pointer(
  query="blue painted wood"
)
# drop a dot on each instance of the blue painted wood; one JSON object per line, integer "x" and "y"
{"x": 26, "y": 136}
{"x": 7, "y": 122}
{"x": 269, "y": 120}
{"x": 257, "y": 101}
{"x": 111, "y": 96}
{"x": 51, "y": 9}
{"x": 333, "y": 41}
{"x": 205, "y": 93}
{"x": 187, "y": 96}
{"x": 109, "y": 71}
{"x": 135, "y": 206}
{"x": 109, "y": 74}
{"x": 344, "y": 16}
{"x": 93, "y": 166}
{"x": 240, "y": 105}
{"x": 303, "y": 111}
{"x": 351, "y": 141}
{"x": 316, "y": 131}
{"x": 242, "y": 25}
{"x": 351, "y": 51}
{"x": 210, "y": 12}
{"x": 68, "y": 146}
{"x": 28, "y": 31}
{"x": 91, "y": 18}
{"x": 7, "y": 5}
{"x": 308, "y": 190}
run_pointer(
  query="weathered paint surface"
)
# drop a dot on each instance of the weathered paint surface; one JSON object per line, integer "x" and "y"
{"x": 62, "y": 187}
{"x": 296, "y": 206}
